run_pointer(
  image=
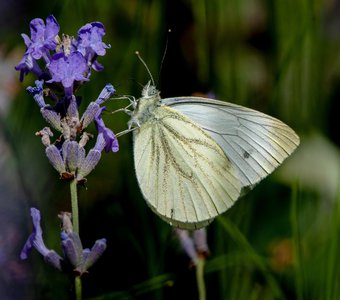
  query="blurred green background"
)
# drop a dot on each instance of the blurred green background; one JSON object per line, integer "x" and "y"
{"x": 281, "y": 241}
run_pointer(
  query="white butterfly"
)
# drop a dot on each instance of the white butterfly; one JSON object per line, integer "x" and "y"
{"x": 195, "y": 156}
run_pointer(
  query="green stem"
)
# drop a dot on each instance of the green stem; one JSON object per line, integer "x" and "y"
{"x": 74, "y": 203}
{"x": 77, "y": 283}
{"x": 200, "y": 279}
{"x": 75, "y": 222}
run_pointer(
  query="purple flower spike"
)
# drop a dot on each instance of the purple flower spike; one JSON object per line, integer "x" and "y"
{"x": 111, "y": 142}
{"x": 90, "y": 39}
{"x": 67, "y": 69}
{"x": 74, "y": 254}
{"x": 35, "y": 240}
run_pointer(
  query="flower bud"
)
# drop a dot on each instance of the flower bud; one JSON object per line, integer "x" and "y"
{"x": 91, "y": 256}
{"x": 88, "y": 164}
{"x": 54, "y": 156}
{"x": 73, "y": 249}
{"x": 89, "y": 114}
{"x": 105, "y": 94}
{"x": 52, "y": 117}
{"x": 45, "y": 135}
{"x": 70, "y": 153}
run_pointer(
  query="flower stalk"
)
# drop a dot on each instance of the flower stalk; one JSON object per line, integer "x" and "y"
{"x": 200, "y": 278}
{"x": 74, "y": 204}
{"x": 75, "y": 221}
{"x": 78, "y": 289}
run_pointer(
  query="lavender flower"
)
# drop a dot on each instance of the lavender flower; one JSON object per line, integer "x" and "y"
{"x": 80, "y": 259}
{"x": 54, "y": 156}
{"x": 37, "y": 93}
{"x": 70, "y": 159}
{"x": 43, "y": 39}
{"x": 67, "y": 70}
{"x": 45, "y": 135}
{"x": 111, "y": 143}
{"x": 90, "y": 43}
{"x": 71, "y": 153}
{"x": 105, "y": 94}
{"x": 61, "y": 66}
{"x": 72, "y": 248}
{"x": 65, "y": 65}
{"x": 28, "y": 64}
{"x": 35, "y": 240}
{"x": 94, "y": 107}
{"x": 90, "y": 162}
{"x": 91, "y": 256}
{"x": 90, "y": 39}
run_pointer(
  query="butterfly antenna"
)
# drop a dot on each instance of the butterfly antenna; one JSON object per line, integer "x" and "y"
{"x": 164, "y": 54}
{"x": 146, "y": 67}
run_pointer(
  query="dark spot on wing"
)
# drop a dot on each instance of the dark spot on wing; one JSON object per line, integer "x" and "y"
{"x": 246, "y": 154}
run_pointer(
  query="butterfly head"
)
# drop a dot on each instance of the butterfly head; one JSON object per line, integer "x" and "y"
{"x": 149, "y": 90}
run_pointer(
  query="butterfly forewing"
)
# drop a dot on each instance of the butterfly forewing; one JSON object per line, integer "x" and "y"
{"x": 254, "y": 142}
{"x": 184, "y": 175}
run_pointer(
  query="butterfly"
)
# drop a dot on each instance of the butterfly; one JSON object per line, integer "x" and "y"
{"x": 194, "y": 156}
